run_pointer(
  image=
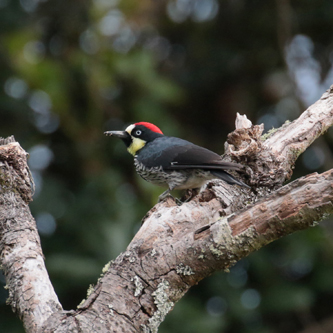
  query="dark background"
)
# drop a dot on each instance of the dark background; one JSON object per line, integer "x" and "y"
{"x": 69, "y": 70}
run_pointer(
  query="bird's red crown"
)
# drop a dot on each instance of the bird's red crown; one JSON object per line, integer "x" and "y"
{"x": 151, "y": 126}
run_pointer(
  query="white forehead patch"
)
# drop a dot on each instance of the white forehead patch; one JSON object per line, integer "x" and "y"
{"x": 129, "y": 129}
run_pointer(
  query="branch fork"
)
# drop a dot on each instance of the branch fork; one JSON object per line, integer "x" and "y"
{"x": 177, "y": 246}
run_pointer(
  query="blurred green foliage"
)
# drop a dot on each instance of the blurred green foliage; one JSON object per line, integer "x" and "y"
{"x": 71, "y": 70}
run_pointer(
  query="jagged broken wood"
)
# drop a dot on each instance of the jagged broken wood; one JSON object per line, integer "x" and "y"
{"x": 177, "y": 246}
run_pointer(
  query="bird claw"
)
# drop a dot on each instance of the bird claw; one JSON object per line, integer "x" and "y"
{"x": 178, "y": 201}
{"x": 164, "y": 197}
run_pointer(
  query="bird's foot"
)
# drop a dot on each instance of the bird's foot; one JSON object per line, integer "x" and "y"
{"x": 178, "y": 201}
{"x": 166, "y": 196}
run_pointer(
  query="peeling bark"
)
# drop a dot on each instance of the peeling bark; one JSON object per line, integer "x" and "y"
{"x": 177, "y": 246}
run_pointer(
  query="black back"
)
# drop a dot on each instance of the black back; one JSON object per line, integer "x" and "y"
{"x": 174, "y": 153}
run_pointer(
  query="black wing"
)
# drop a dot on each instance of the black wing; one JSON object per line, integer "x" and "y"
{"x": 175, "y": 154}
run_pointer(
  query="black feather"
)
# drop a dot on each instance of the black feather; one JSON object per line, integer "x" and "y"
{"x": 217, "y": 166}
{"x": 228, "y": 178}
{"x": 176, "y": 154}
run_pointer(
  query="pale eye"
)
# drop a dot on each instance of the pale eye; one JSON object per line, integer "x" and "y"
{"x": 138, "y": 132}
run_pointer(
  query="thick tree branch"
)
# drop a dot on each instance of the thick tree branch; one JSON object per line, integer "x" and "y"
{"x": 177, "y": 246}
{"x": 31, "y": 294}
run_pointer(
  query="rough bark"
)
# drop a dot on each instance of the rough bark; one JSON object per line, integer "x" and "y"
{"x": 31, "y": 294}
{"x": 177, "y": 246}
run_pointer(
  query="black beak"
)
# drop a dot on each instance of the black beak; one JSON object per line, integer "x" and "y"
{"x": 118, "y": 134}
{"x": 121, "y": 135}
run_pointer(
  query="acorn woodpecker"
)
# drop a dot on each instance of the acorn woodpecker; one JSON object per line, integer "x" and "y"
{"x": 173, "y": 162}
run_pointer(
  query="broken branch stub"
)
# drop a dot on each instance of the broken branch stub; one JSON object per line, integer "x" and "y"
{"x": 270, "y": 158}
{"x": 245, "y": 146}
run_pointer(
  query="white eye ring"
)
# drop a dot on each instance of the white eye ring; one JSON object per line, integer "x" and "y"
{"x": 138, "y": 132}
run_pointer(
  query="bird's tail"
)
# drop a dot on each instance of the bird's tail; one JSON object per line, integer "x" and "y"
{"x": 228, "y": 178}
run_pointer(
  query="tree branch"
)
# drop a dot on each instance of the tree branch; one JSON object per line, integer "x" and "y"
{"x": 177, "y": 246}
{"x": 270, "y": 158}
{"x": 31, "y": 294}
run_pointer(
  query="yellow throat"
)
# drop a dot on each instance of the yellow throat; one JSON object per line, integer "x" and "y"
{"x": 136, "y": 144}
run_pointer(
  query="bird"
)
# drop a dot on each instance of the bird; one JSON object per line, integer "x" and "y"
{"x": 173, "y": 162}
